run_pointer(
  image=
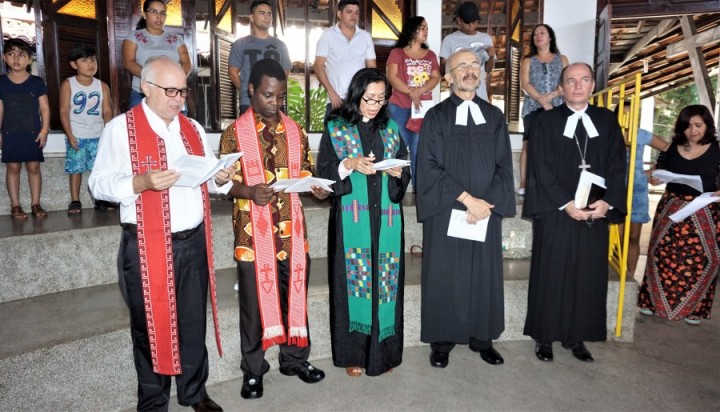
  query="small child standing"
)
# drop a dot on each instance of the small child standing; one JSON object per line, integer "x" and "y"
{"x": 85, "y": 107}
{"x": 25, "y": 120}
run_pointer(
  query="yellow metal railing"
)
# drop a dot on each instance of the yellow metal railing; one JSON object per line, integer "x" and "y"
{"x": 629, "y": 121}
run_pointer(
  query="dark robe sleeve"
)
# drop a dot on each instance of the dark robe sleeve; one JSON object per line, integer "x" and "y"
{"x": 501, "y": 191}
{"x": 616, "y": 170}
{"x": 545, "y": 191}
{"x": 437, "y": 190}
{"x": 398, "y": 185}
{"x": 327, "y": 166}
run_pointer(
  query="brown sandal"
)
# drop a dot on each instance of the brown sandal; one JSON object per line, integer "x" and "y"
{"x": 17, "y": 213}
{"x": 38, "y": 211}
{"x": 353, "y": 371}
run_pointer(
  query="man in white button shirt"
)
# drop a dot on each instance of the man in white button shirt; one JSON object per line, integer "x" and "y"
{"x": 165, "y": 258}
{"x": 341, "y": 51}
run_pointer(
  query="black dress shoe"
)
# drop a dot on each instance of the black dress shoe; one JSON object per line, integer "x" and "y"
{"x": 252, "y": 387}
{"x": 543, "y": 351}
{"x": 490, "y": 356}
{"x": 579, "y": 351}
{"x": 206, "y": 405}
{"x": 305, "y": 371}
{"x": 439, "y": 359}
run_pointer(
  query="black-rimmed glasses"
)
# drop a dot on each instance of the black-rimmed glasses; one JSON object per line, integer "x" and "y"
{"x": 373, "y": 102}
{"x": 172, "y": 91}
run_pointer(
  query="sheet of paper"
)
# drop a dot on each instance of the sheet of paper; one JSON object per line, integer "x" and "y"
{"x": 692, "y": 207}
{"x": 460, "y": 228}
{"x": 693, "y": 181}
{"x": 196, "y": 170}
{"x": 586, "y": 181}
{"x": 419, "y": 113}
{"x": 390, "y": 163}
{"x": 300, "y": 185}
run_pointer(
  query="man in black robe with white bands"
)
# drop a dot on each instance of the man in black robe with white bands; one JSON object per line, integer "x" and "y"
{"x": 464, "y": 164}
{"x": 567, "y": 295}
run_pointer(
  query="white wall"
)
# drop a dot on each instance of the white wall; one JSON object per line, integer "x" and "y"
{"x": 574, "y": 24}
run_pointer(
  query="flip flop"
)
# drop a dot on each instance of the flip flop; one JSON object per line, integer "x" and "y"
{"x": 353, "y": 371}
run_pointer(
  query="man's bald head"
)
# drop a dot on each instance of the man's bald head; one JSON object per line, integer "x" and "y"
{"x": 164, "y": 84}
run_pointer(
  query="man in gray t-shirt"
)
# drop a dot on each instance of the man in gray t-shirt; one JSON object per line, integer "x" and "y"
{"x": 246, "y": 51}
{"x": 467, "y": 18}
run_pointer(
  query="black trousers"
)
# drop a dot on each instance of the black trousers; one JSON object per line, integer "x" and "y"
{"x": 191, "y": 287}
{"x": 253, "y": 356}
{"x": 475, "y": 344}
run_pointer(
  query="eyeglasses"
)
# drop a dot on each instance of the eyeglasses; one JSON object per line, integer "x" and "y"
{"x": 160, "y": 13}
{"x": 545, "y": 68}
{"x": 172, "y": 91}
{"x": 464, "y": 66}
{"x": 373, "y": 102}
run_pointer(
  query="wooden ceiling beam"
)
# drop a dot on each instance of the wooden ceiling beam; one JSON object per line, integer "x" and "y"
{"x": 661, "y": 8}
{"x": 658, "y": 31}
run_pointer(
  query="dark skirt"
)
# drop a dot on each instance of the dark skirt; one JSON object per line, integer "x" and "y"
{"x": 20, "y": 147}
{"x": 683, "y": 261}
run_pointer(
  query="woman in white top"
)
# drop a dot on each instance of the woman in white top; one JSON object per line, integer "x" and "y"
{"x": 151, "y": 39}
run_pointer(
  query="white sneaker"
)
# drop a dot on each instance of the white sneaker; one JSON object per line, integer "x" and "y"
{"x": 646, "y": 312}
{"x": 237, "y": 289}
{"x": 521, "y": 191}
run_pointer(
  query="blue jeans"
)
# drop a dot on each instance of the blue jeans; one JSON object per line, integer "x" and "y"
{"x": 401, "y": 116}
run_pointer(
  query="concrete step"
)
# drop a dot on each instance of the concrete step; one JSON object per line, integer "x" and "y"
{"x": 60, "y": 252}
{"x": 72, "y": 350}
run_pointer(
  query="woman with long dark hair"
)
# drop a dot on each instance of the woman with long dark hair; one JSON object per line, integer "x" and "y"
{"x": 683, "y": 258}
{"x": 413, "y": 72}
{"x": 150, "y": 38}
{"x": 366, "y": 269}
{"x": 540, "y": 73}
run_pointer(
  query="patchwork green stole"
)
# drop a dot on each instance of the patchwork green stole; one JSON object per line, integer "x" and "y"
{"x": 357, "y": 237}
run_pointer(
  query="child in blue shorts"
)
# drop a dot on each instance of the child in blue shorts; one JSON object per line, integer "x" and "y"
{"x": 25, "y": 120}
{"x": 85, "y": 107}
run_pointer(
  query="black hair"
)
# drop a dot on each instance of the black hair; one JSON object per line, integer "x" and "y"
{"x": 142, "y": 23}
{"x": 350, "y": 110}
{"x": 266, "y": 67}
{"x": 257, "y": 3}
{"x": 19, "y": 44}
{"x": 409, "y": 32}
{"x": 344, "y": 3}
{"x": 81, "y": 51}
{"x": 553, "y": 41}
{"x": 683, "y": 122}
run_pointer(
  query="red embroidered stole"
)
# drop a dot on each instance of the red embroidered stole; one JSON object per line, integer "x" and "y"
{"x": 263, "y": 237}
{"x": 147, "y": 151}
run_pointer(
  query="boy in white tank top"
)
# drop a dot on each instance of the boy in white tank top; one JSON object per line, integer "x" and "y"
{"x": 85, "y": 107}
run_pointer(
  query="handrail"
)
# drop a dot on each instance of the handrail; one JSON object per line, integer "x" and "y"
{"x": 629, "y": 122}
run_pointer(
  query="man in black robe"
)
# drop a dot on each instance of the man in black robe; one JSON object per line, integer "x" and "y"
{"x": 464, "y": 164}
{"x": 569, "y": 268}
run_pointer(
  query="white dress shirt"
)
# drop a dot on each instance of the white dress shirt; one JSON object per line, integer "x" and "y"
{"x": 111, "y": 177}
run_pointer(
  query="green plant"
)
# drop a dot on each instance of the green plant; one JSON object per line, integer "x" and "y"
{"x": 296, "y": 105}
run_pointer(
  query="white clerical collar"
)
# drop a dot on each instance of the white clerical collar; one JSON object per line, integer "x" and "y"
{"x": 365, "y": 119}
{"x": 461, "y": 113}
{"x": 572, "y": 120}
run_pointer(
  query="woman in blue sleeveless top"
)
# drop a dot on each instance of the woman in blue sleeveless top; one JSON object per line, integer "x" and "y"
{"x": 540, "y": 74}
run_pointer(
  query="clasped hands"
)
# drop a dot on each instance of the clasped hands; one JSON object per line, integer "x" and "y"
{"x": 366, "y": 166}
{"x": 477, "y": 209}
{"x": 597, "y": 210}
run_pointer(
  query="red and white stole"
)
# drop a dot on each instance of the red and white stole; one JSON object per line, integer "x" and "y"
{"x": 264, "y": 242}
{"x": 147, "y": 151}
